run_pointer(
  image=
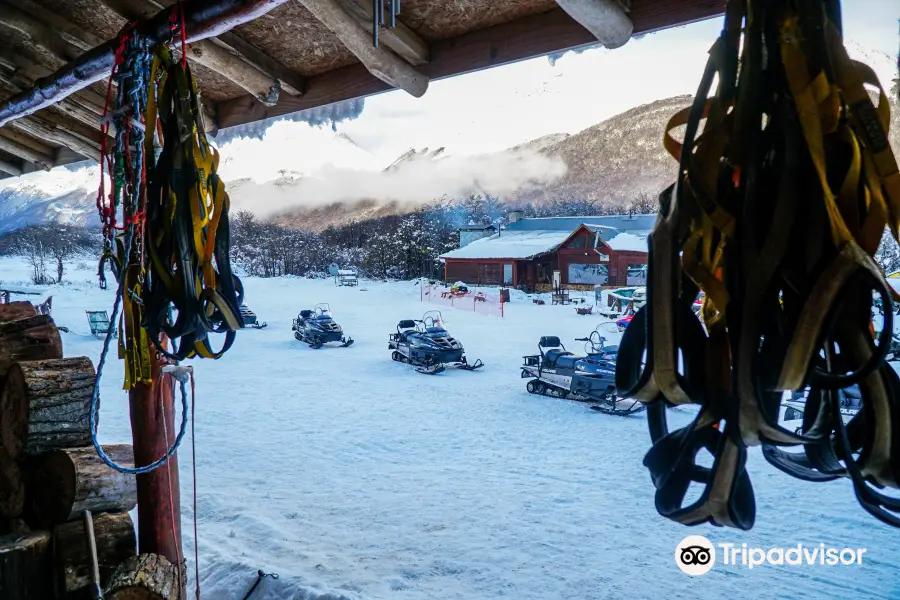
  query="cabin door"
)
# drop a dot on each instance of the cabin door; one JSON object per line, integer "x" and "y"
{"x": 507, "y": 274}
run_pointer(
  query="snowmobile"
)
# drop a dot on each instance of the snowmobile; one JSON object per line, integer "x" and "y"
{"x": 850, "y": 401}
{"x": 558, "y": 373}
{"x": 316, "y": 327}
{"x": 249, "y": 318}
{"x": 427, "y": 346}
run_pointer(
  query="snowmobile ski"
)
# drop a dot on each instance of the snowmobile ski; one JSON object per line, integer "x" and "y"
{"x": 428, "y": 347}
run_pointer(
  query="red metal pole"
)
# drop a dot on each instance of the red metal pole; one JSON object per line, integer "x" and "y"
{"x": 159, "y": 498}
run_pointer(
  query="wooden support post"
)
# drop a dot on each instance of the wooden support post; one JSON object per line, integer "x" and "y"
{"x": 159, "y": 498}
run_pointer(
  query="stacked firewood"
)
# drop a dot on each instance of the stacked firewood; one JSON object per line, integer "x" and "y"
{"x": 49, "y": 471}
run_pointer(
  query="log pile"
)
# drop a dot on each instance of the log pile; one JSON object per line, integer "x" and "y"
{"x": 50, "y": 472}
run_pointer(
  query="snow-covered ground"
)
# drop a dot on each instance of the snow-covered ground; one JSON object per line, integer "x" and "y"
{"x": 354, "y": 477}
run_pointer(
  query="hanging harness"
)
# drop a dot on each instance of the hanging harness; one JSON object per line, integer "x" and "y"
{"x": 779, "y": 205}
{"x": 189, "y": 269}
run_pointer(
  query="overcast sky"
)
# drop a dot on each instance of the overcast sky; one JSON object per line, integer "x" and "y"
{"x": 503, "y": 106}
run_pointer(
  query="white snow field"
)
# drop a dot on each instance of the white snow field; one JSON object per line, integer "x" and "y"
{"x": 354, "y": 477}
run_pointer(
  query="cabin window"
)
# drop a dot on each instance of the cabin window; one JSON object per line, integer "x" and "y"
{"x": 507, "y": 274}
{"x": 637, "y": 275}
{"x": 588, "y": 274}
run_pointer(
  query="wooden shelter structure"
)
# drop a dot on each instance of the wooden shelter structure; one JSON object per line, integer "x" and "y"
{"x": 253, "y": 59}
{"x": 256, "y": 59}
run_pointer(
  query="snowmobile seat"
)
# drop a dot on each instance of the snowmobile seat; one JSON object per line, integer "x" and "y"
{"x": 305, "y": 314}
{"x": 561, "y": 359}
{"x": 549, "y": 341}
{"x": 405, "y": 328}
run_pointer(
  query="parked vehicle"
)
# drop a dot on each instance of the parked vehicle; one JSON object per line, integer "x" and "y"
{"x": 317, "y": 327}
{"x": 426, "y": 345}
{"x": 558, "y": 373}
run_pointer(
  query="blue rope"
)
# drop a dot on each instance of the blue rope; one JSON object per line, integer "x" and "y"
{"x": 95, "y": 396}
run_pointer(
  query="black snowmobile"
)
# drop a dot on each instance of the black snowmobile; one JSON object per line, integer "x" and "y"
{"x": 316, "y": 327}
{"x": 427, "y": 346}
{"x": 558, "y": 373}
{"x": 249, "y": 318}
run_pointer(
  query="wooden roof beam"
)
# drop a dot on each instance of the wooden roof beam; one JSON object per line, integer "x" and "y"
{"x": 401, "y": 39}
{"x": 382, "y": 63}
{"x": 71, "y": 34}
{"x": 528, "y": 37}
{"x": 605, "y": 19}
{"x": 58, "y": 134}
{"x": 203, "y": 18}
{"x": 235, "y": 59}
{"x": 9, "y": 168}
{"x": 69, "y": 107}
{"x": 291, "y": 81}
{"x": 24, "y": 147}
{"x": 40, "y": 34}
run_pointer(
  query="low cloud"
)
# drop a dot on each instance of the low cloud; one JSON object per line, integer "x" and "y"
{"x": 410, "y": 183}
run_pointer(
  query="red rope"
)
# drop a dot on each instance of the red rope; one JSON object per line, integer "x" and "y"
{"x": 107, "y": 208}
{"x": 177, "y": 21}
{"x": 194, "y": 469}
{"x": 183, "y": 38}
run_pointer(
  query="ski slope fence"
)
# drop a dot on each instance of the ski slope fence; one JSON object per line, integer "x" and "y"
{"x": 483, "y": 303}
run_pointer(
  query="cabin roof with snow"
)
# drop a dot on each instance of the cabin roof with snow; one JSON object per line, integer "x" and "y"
{"x": 478, "y": 228}
{"x": 522, "y": 240}
{"x": 637, "y": 224}
{"x": 256, "y": 59}
{"x": 511, "y": 244}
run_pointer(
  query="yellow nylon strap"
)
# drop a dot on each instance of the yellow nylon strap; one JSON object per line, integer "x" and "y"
{"x": 702, "y": 272}
{"x": 134, "y": 345}
{"x": 852, "y": 77}
{"x": 808, "y": 95}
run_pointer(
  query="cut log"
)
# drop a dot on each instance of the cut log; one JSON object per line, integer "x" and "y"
{"x": 65, "y": 483}
{"x": 116, "y": 543}
{"x": 145, "y": 577}
{"x": 12, "y": 488}
{"x": 46, "y": 405}
{"x": 30, "y": 338}
{"x": 26, "y": 566}
{"x": 16, "y": 310}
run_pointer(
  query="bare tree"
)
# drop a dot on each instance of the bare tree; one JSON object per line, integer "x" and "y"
{"x": 36, "y": 257}
{"x": 61, "y": 248}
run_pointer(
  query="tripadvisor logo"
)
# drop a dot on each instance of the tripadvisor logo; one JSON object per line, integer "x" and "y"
{"x": 696, "y": 555}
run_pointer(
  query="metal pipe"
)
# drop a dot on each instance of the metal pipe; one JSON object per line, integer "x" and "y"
{"x": 605, "y": 19}
{"x": 203, "y": 19}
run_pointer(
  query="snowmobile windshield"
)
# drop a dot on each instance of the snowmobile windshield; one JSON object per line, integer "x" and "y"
{"x": 432, "y": 321}
{"x": 322, "y": 311}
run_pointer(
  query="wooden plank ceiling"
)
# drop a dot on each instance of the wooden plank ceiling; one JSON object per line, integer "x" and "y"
{"x": 301, "y": 55}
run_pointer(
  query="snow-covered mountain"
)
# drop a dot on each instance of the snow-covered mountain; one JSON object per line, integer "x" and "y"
{"x": 64, "y": 195}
